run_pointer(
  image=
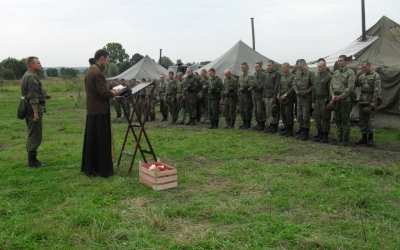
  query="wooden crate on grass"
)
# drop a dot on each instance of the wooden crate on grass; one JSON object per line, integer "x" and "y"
{"x": 158, "y": 180}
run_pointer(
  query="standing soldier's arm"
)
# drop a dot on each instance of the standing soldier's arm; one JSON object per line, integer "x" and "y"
{"x": 331, "y": 91}
{"x": 295, "y": 87}
{"x": 350, "y": 85}
{"x": 277, "y": 81}
{"x": 311, "y": 79}
{"x": 259, "y": 84}
{"x": 377, "y": 88}
{"x": 313, "y": 97}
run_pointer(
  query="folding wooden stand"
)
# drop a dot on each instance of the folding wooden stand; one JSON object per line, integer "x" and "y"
{"x": 134, "y": 100}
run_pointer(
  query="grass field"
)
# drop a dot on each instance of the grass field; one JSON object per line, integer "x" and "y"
{"x": 237, "y": 189}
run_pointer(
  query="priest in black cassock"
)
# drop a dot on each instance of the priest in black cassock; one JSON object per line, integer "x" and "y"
{"x": 97, "y": 146}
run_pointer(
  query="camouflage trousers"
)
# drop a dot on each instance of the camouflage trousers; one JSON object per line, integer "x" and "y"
{"x": 117, "y": 106}
{"x": 142, "y": 106}
{"x": 303, "y": 111}
{"x": 322, "y": 117}
{"x": 259, "y": 109}
{"x": 272, "y": 118}
{"x": 163, "y": 107}
{"x": 342, "y": 117}
{"x": 246, "y": 106}
{"x": 191, "y": 105}
{"x": 34, "y": 131}
{"x": 287, "y": 114}
{"x": 127, "y": 105}
{"x": 213, "y": 109}
{"x": 204, "y": 107}
{"x": 173, "y": 108}
{"x": 229, "y": 108}
{"x": 152, "y": 110}
{"x": 366, "y": 122}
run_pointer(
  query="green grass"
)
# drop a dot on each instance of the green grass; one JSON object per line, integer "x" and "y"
{"x": 237, "y": 189}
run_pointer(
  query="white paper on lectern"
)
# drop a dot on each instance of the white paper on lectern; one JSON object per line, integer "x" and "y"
{"x": 118, "y": 87}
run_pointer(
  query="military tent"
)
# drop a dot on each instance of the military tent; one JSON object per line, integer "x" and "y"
{"x": 382, "y": 49}
{"x": 234, "y": 57}
{"x": 145, "y": 68}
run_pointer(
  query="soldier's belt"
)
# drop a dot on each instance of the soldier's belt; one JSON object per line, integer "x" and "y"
{"x": 321, "y": 96}
{"x": 42, "y": 102}
{"x": 366, "y": 92}
{"x": 337, "y": 93}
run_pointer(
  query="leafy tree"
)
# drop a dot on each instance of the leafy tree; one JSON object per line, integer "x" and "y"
{"x": 166, "y": 62}
{"x": 124, "y": 66}
{"x": 112, "y": 70}
{"x": 188, "y": 64}
{"x": 52, "y": 72}
{"x": 69, "y": 73}
{"x": 179, "y": 61}
{"x": 85, "y": 71}
{"x": 136, "y": 58}
{"x": 117, "y": 53}
{"x": 17, "y": 66}
{"x": 8, "y": 74}
{"x": 62, "y": 71}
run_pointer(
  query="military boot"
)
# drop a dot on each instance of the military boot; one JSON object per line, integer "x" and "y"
{"x": 247, "y": 124}
{"x": 318, "y": 137}
{"x": 324, "y": 137}
{"x": 192, "y": 121}
{"x": 232, "y": 124}
{"x": 261, "y": 126}
{"x": 118, "y": 116}
{"x": 256, "y": 126}
{"x": 336, "y": 142}
{"x": 164, "y": 119}
{"x": 211, "y": 124}
{"x": 216, "y": 123}
{"x": 363, "y": 140}
{"x": 304, "y": 136}
{"x": 283, "y": 131}
{"x": 173, "y": 121}
{"x": 227, "y": 123}
{"x": 267, "y": 130}
{"x": 370, "y": 140}
{"x": 299, "y": 131}
{"x": 274, "y": 129}
{"x": 289, "y": 132}
{"x": 33, "y": 162}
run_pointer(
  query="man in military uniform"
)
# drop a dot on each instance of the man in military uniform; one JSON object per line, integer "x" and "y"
{"x": 303, "y": 85}
{"x": 320, "y": 95}
{"x": 229, "y": 99}
{"x": 142, "y": 101}
{"x": 273, "y": 78}
{"x": 161, "y": 95}
{"x": 257, "y": 88}
{"x": 180, "y": 84}
{"x": 245, "y": 101}
{"x": 117, "y": 104}
{"x": 214, "y": 95}
{"x": 286, "y": 98}
{"x": 340, "y": 88}
{"x": 152, "y": 111}
{"x": 170, "y": 97}
{"x": 190, "y": 95}
{"x": 126, "y": 103}
{"x": 370, "y": 84}
{"x": 204, "y": 81}
{"x": 35, "y": 96}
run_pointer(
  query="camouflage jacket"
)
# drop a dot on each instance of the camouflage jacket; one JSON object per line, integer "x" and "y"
{"x": 215, "y": 88}
{"x": 170, "y": 89}
{"x": 321, "y": 86}
{"x": 303, "y": 81}
{"x": 258, "y": 85}
{"x": 161, "y": 88}
{"x": 272, "y": 80}
{"x": 204, "y": 81}
{"x": 342, "y": 84}
{"x": 191, "y": 86}
{"x": 230, "y": 88}
{"x": 286, "y": 85}
{"x": 31, "y": 88}
{"x": 370, "y": 84}
{"x": 179, "y": 88}
{"x": 244, "y": 83}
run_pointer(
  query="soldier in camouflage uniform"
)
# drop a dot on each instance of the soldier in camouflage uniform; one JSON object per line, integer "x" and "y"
{"x": 320, "y": 95}
{"x": 245, "y": 101}
{"x": 303, "y": 85}
{"x": 180, "y": 83}
{"x": 257, "y": 88}
{"x": 341, "y": 85}
{"x": 286, "y": 98}
{"x": 370, "y": 84}
{"x": 35, "y": 96}
{"x": 204, "y": 81}
{"x": 190, "y": 95}
{"x": 170, "y": 97}
{"x": 142, "y": 101}
{"x": 161, "y": 94}
{"x": 229, "y": 99}
{"x": 273, "y": 78}
{"x": 152, "y": 111}
{"x": 215, "y": 87}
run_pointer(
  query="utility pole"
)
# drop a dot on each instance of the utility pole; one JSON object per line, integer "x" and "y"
{"x": 159, "y": 61}
{"x": 363, "y": 20}
{"x": 252, "y": 30}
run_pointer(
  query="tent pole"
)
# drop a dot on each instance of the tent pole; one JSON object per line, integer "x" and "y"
{"x": 159, "y": 61}
{"x": 252, "y": 30}
{"x": 363, "y": 20}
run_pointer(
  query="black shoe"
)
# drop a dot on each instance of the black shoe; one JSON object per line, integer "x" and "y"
{"x": 363, "y": 140}
{"x": 261, "y": 127}
{"x": 267, "y": 130}
{"x": 324, "y": 137}
{"x": 304, "y": 136}
{"x": 164, "y": 119}
{"x": 232, "y": 124}
{"x": 283, "y": 131}
{"x": 274, "y": 129}
{"x": 318, "y": 137}
{"x": 216, "y": 123}
{"x": 299, "y": 131}
{"x": 211, "y": 125}
{"x": 33, "y": 162}
{"x": 256, "y": 126}
{"x": 173, "y": 121}
{"x": 289, "y": 132}
{"x": 336, "y": 142}
{"x": 370, "y": 141}
{"x": 193, "y": 121}
{"x": 228, "y": 123}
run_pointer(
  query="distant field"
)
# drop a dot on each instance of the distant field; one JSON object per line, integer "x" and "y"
{"x": 237, "y": 189}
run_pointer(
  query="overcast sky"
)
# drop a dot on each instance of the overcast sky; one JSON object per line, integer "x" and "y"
{"x": 67, "y": 33}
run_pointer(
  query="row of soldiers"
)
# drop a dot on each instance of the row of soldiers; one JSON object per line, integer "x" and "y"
{"x": 269, "y": 96}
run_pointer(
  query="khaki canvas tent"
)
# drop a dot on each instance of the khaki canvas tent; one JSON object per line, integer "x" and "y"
{"x": 382, "y": 49}
{"x": 145, "y": 68}
{"x": 234, "y": 57}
